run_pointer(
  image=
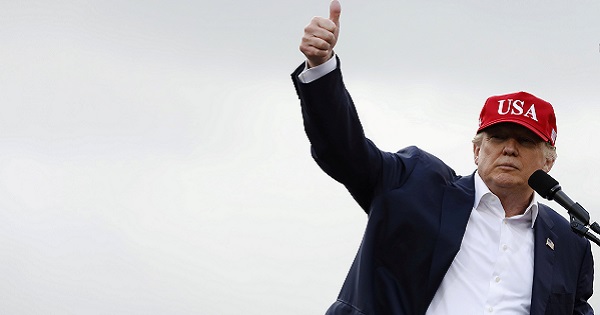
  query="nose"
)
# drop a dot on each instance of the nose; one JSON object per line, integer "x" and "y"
{"x": 511, "y": 147}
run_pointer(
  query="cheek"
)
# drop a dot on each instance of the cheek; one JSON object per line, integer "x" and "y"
{"x": 483, "y": 162}
{"x": 484, "y": 156}
{"x": 539, "y": 157}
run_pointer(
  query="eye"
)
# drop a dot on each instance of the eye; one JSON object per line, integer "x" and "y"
{"x": 527, "y": 141}
{"x": 496, "y": 136}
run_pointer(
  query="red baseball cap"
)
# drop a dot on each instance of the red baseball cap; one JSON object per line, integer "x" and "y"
{"x": 520, "y": 108}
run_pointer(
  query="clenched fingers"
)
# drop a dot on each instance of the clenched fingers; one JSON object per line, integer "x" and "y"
{"x": 320, "y": 36}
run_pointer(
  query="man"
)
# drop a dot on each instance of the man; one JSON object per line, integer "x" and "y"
{"x": 436, "y": 242}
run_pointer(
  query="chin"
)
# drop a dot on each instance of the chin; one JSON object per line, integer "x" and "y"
{"x": 507, "y": 181}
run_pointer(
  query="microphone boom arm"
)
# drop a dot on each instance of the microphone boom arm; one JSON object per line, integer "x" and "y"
{"x": 582, "y": 230}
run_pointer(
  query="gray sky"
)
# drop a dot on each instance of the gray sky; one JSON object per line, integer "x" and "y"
{"x": 153, "y": 159}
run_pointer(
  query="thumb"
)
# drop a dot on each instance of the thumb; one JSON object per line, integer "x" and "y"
{"x": 335, "y": 10}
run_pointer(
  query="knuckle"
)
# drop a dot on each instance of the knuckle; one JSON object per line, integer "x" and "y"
{"x": 316, "y": 19}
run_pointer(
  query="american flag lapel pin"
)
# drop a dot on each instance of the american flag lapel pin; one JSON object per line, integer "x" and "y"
{"x": 550, "y": 244}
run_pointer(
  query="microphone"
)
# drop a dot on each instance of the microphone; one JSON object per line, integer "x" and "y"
{"x": 548, "y": 188}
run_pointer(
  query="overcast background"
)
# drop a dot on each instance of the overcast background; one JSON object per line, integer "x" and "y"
{"x": 153, "y": 159}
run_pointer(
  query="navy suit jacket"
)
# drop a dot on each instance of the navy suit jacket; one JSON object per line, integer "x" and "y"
{"x": 418, "y": 210}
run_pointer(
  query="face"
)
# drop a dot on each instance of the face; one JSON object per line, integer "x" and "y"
{"x": 508, "y": 155}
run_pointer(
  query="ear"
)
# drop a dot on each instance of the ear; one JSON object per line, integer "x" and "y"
{"x": 548, "y": 165}
{"x": 476, "y": 154}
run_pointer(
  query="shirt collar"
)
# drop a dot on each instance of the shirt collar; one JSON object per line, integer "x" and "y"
{"x": 481, "y": 189}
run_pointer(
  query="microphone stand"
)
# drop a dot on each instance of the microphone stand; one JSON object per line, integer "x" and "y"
{"x": 582, "y": 230}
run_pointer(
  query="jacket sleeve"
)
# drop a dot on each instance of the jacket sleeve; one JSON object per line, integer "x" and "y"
{"x": 338, "y": 143}
{"x": 585, "y": 284}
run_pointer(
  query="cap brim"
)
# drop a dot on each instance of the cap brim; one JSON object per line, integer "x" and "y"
{"x": 515, "y": 121}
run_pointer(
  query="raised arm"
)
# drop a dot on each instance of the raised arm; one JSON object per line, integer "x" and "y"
{"x": 331, "y": 122}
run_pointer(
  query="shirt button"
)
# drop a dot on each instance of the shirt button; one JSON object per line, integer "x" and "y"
{"x": 504, "y": 247}
{"x": 497, "y": 279}
{"x": 490, "y": 309}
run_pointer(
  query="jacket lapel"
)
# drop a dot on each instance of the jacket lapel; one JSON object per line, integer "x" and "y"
{"x": 543, "y": 261}
{"x": 456, "y": 209}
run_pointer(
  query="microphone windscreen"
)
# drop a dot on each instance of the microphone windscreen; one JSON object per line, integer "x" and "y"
{"x": 542, "y": 183}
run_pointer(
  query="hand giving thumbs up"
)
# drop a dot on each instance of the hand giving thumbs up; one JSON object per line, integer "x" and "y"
{"x": 320, "y": 36}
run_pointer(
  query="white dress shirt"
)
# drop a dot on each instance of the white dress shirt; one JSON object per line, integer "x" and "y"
{"x": 493, "y": 270}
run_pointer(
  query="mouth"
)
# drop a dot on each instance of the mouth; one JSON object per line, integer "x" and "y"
{"x": 508, "y": 166}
